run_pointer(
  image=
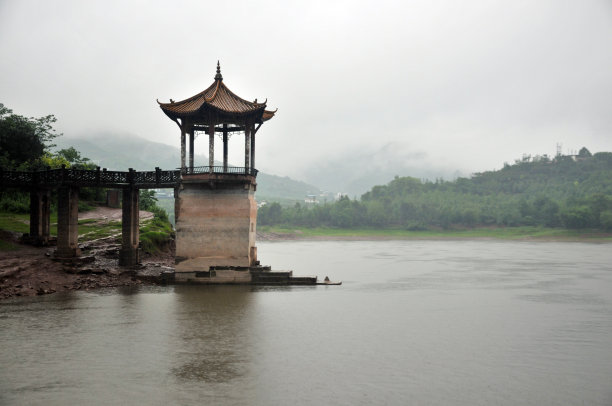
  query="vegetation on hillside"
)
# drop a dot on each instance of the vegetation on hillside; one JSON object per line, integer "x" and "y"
{"x": 570, "y": 192}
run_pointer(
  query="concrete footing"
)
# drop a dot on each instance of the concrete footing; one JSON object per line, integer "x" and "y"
{"x": 258, "y": 275}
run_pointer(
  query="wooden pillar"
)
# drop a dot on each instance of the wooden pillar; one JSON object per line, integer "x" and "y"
{"x": 211, "y": 148}
{"x": 183, "y": 149}
{"x": 40, "y": 216}
{"x": 191, "y": 151}
{"x": 252, "y": 151}
{"x": 67, "y": 222}
{"x": 247, "y": 148}
{"x": 225, "y": 148}
{"x": 130, "y": 232}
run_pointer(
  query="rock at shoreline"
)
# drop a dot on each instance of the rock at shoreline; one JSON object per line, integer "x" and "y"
{"x": 29, "y": 271}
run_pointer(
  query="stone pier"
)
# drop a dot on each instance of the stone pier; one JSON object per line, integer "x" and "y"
{"x": 67, "y": 222}
{"x": 129, "y": 255}
{"x": 216, "y": 217}
{"x": 40, "y": 216}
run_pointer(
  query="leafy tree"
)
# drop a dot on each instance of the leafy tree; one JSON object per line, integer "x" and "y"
{"x": 147, "y": 200}
{"x": 605, "y": 219}
{"x": 23, "y": 141}
{"x": 74, "y": 158}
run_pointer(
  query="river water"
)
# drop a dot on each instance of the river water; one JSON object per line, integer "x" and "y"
{"x": 415, "y": 322}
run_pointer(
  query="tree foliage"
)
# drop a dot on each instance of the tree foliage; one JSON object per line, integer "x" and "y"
{"x": 560, "y": 192}
{"x": 24, "y": 141}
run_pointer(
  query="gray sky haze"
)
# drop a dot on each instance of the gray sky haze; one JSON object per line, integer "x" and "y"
{"x": 446, "y": 84}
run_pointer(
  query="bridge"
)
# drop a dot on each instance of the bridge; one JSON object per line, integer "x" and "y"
{"x": 67, "y": 182}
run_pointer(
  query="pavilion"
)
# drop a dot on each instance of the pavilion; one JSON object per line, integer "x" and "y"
{"x": 215, "y": 208}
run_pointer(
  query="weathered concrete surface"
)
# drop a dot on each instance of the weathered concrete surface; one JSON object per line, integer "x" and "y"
{"x": 129, "y": 255}
{"x": 215, "y": 227}
{"x": 225, "y": 276}
{"x": 40, "y": 216}
{"x": 67, "y": 222}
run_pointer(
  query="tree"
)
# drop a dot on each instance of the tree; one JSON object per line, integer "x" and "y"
{"x": 584, "y": 152}
{"x": 147, "y": 200}
{"x": 23, "y": 140}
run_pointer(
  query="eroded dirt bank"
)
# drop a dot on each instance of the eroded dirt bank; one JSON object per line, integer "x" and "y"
{"x": 29, "y": 271}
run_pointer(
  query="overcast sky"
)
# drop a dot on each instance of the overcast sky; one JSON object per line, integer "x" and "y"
{"x": 465, "y": 84}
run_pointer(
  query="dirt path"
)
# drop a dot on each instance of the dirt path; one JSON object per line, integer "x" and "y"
{"x": 107, "y": 214}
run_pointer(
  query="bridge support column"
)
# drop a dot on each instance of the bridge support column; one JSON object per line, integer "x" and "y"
{"x": 129, "y": 255}
{"x": 40, "y": 218}
{"x": 67, "y": 222}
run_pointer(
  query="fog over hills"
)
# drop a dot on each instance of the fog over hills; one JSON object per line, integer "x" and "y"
{"x": 354, "y": 172}
{"x": 117, "y": 151}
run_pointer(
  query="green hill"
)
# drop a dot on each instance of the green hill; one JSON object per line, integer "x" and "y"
{"x": 571, "y": 192}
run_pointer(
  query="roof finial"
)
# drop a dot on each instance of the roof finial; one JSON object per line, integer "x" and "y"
{"x": 218, "y": 75}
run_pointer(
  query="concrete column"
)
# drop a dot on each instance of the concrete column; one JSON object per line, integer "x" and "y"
{"x": 252, "y": 151}
{"x": 225, "y": 148}
{"x": 67, "y": 222}
{"x": 191, "y": 151}
{"x": 247, "y": 148}
{"x": 211, "y": 148}
{"x": 183, "y": 149}
{"x": 129, "y": 254}
{"x": 40, "y": 216}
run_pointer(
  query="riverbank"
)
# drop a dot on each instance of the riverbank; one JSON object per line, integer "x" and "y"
{"x": 31, "y": 271}
{"x": 267, "y": 233}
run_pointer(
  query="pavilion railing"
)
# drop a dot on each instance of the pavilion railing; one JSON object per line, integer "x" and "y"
{"x": 229, "y": 170}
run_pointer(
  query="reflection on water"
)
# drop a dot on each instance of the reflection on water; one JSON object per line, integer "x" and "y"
{"x": 213, "y": 325}
{"x": 415, "y": 322}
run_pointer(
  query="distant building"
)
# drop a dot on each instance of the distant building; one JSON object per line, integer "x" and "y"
{"x": 311, "y": 199}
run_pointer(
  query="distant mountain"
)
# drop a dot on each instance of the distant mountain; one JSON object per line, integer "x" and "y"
{"x": 355, "y": 172}
{"x": 123, "y": 151}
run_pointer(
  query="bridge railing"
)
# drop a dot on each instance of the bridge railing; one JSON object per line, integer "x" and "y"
{"x": 229, "y": 170}
{"x": 93, "y": 178}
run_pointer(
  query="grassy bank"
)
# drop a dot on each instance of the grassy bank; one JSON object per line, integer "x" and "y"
{"x": 156, "y": 234}
{"x": 503, "y": 233}
{"x": 89, "y": 229}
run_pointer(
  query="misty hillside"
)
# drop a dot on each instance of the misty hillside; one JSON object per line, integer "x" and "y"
{"x": 568, "y": 191}
{"x": 123, "y": 151}
{"x": 355, "y": 172}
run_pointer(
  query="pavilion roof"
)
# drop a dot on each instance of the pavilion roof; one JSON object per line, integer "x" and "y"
{"x": 217, "y": 103}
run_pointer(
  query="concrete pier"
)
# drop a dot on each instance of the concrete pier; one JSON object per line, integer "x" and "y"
{"x": 67, "y": 222}
{"x": 129, "y": 255}
{"x": 40, "y": 216}
{"x": 216, "y": 217}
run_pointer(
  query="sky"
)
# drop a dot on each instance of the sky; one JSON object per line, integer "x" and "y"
{"x": 447, "y": 85}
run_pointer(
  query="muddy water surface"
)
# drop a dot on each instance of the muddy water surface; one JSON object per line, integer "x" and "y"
{"x": 415, "y": 322}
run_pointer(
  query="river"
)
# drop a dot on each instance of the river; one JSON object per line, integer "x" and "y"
{"x": 414, "y": 322}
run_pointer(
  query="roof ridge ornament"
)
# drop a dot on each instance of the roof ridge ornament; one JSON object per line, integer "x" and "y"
{"x": 218, "y": 76}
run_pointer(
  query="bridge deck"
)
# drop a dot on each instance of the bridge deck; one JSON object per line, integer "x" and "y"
{"x": 157, "y": 179}
{"x": 91, "y": 178}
